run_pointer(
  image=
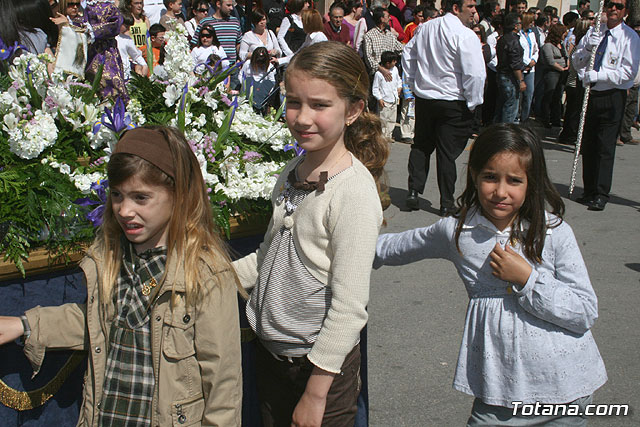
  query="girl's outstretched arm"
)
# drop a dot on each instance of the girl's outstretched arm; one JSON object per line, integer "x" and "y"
{"x": 415, "y": 245}
{"x": 564, "y": 296}
{"x": 10, "y": 329}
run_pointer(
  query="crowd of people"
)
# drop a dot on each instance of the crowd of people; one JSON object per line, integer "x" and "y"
{"x": 161, "y": 322}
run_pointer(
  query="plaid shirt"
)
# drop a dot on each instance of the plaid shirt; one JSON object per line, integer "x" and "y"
{"x": 376, "y": 42}
{"x": 129, "y": 379}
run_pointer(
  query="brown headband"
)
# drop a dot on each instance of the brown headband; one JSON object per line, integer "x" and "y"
{"x": 148, "y": 144}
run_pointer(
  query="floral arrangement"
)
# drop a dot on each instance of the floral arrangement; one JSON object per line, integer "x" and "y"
{"x": 57, "y": 136}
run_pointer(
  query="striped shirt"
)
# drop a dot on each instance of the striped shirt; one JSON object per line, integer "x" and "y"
{"x": 288, "y": 305}
{"x": 228, "y": 33}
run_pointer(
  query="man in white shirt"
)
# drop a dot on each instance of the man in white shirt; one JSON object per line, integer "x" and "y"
{"x": 443, "y": 64}
{"x": 154, "y": 9}
{"x": 617, "y": 57}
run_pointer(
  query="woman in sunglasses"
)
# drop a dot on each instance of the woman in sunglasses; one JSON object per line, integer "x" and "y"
{"x": 199, "y": 11}
{"x": 208, "y": 45}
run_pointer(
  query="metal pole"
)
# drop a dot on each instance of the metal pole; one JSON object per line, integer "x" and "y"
{"x": 585, "y": 103}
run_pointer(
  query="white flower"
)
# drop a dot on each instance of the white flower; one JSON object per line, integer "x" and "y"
{"x": 60, "y": 95}
{"x": 65, "y": 169}
{"x": 171, "y": 95}
{"x": 35, "y": 136}
{"x": 10, "y": 122}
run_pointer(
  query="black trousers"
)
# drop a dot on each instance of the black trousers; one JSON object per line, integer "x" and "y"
{"x": 602, "y": 124}
{"x": 630, "y": 111}
{"x": 443, "y": 126}
{"x": 575, "y": 95}
{"x": 281, "y": 384}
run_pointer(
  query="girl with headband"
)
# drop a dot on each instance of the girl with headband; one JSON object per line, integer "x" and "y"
{"x": 161, "y": 320}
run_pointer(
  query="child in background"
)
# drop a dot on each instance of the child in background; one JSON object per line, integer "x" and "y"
{"x": 310, "y": 276}
{"x": 527, "y": 334}
{"x": 161, "y": 319}
{"x": 208, "y": 45}
{"x": 173, "y": 16}
{"x": 258, "y": 73}
{"x": 141, "y": 24}
{"x": 129, "y": 53}
{"x": 387, "y": 93}
{"x": 157, "y": 32}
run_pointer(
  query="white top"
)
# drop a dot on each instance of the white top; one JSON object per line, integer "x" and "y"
{"x": 191, "y": 26}
{"x": 492, "y": 41}
{"x": 620, "y": 62}
{"x": 335, "y": 233}
{"x": 312, "y": 38}
{"x": 444, "y": 61}
{"x": 201, "y": 55}
{"x": 247, "y": 72}
{"x": 154, "y": 9}
{"x": 129, "y": 53}
{"x": 282, "y": 32}
{"x": 387, "y": 91}
{"x": 250, "y": 41}
{"x": 530, "y": 47}
{"x": 529, "y": 345}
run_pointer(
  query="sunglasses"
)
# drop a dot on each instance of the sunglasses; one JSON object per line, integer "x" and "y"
{"x": 613, "y": 5}
{"x": 202, "y": 10}
{"x": 206, "y": 36}
{"x": 73, "y": 4}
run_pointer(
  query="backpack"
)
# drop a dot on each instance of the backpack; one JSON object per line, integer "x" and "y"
{"x": 295, "y": 35}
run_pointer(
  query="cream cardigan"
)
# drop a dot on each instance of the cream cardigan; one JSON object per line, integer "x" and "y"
{"x": 335, "y": 232}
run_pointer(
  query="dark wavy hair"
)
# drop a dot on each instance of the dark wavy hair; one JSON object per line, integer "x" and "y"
{"x": 541, "y": 193}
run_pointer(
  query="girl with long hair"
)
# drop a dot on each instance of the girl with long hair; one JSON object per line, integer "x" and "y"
{"x": 161, "y": 320}
{"x": 310, "y": 276}
{"x": 527, "y": 337}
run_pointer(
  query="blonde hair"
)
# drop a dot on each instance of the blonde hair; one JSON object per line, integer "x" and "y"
{"x": 191, "y": 237}
{"x": 341, "y": 67}
{"x": 311, "y": 21}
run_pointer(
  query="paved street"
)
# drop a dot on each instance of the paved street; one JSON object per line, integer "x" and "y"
{"x": 417, "y": 311}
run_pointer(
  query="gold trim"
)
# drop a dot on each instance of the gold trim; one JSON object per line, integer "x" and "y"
{"x": 25, "y": 400}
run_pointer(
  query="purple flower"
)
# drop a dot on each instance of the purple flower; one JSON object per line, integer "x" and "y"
{"x": 49, "y": 101}
{"x": 251, "y": 156}
{"x": 95, "y": 216}
{"x": 184, "y": 96}
{"x": 117, "y": 119}
{"x": 294, "y": 146}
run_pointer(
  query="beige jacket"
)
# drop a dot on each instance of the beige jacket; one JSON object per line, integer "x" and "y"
{"x": 196, "y": 351}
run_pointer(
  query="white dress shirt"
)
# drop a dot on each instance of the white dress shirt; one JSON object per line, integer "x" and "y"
{"x": 531, "y": 50}
{"x": 129, "y": 53}
{"x": 444, "y": 61}
{"x": 154, "y": 9}
{"x": 620, "y": 62}
{"x": 387, "y": 91}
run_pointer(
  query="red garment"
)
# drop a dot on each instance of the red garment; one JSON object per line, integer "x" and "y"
{"x": 409, "y": 31}
{"x": 395, "y": 24}
{"x": 342, "y": 36}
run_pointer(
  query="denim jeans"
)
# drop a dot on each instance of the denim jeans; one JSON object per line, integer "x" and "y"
{"x": 508, "y": 97}
{"x": 527, "y": 96}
